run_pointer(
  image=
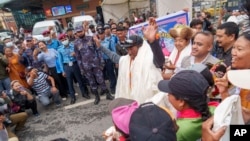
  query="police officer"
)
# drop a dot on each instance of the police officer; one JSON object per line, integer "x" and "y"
{"x": 71, "y": 68}
{"x": 91, "y": 63}
{"x": 108, "y": 71}
{"x": 70, "y": 34}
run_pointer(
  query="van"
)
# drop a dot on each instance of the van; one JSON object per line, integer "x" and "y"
{"x": 41, "y": 26}
{"x": 77, "y": 20}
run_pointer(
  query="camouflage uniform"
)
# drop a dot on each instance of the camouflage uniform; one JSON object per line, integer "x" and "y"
{"x": 90, "y": 61}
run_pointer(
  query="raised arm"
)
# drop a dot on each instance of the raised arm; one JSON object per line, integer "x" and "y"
{"x": 78, "y": 56}
{"x": 112, "y": 56}
{"x": 150, "y": 33}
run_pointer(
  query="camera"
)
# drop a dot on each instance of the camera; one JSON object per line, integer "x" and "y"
{"x": 7, "y": 122}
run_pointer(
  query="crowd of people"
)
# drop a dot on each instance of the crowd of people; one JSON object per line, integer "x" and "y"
{"x": 204, "y": 70}
{"x": 154, "y": 97}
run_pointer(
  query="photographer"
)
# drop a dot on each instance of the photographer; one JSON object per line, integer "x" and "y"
{"x": 11, "y": 115}
{"x": 22, "y": 97}
{"x": 4, "y": 134}
{"x": 38, "y": 81}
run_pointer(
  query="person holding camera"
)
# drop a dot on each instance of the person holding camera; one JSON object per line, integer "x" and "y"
{"x": 22, "y": 97}
{"x": 38, "y": 81}
{"x": 10, "y": 116}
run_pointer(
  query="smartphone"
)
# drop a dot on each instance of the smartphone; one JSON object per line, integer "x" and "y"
{"x": 220, "y": 71}
{"x": 21, "y": 89}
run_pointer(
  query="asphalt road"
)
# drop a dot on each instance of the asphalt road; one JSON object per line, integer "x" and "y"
{"x": 82, "y": 121}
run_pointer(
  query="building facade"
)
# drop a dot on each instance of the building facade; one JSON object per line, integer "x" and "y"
{"x": 64, "y": 10}
{"x": 7, "y": 21}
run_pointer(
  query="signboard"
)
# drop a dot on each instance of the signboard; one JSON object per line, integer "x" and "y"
{"x": 68, "y": 8}
{"x": 164, "y": 23}
{"x": 58, "y": 10}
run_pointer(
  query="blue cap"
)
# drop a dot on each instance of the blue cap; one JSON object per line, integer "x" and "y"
{"x": 79, "y": 28}
{"x": 28, "y": 38}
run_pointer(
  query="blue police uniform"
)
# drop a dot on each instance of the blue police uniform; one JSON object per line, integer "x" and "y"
{"x": 71, "y": 69}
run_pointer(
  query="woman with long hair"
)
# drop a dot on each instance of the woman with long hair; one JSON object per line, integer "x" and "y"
{"x": 187, "y": 92}
{"x": 15, "y": 68}
{"x": 50, "y": 56}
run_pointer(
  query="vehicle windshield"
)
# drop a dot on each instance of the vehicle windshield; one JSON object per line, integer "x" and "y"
{"x": 4, "y": 34}
{"x": 76, "y": 24}
{"x": 39, "y": 30}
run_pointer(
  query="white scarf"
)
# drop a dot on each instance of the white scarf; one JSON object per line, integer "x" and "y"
{"x": 185, "y": 52}
{"x": 228, "y": 113}
{"x": 144, "y": 76}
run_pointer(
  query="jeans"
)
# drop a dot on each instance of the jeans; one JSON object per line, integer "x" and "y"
{"x": 109, "y": 70}
{"x": 5, "y": 84}
{"x": 44, "y": 98}
{"x": 71, "y": 73}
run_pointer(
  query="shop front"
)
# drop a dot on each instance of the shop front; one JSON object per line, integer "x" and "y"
{"x": 64, "y": 10}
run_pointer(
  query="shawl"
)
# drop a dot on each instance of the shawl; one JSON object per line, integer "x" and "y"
{"x": 138, "y": 78}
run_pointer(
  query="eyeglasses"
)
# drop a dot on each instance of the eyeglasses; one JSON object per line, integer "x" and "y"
{"x": 28, "y": 40}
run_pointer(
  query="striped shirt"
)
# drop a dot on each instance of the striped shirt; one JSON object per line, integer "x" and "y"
{"x": 40, "y": 84}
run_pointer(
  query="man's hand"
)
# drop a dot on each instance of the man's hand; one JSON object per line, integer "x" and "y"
{"x": 23, "y": 92}
{"x": 246, "y": 114}
{"x": 150, "y": 31}
{"x": 64, "y": 74}
{"x": 73, "y": 54}
{"x": 54, "y": 90}
{"x": 222, "y": 12}
{"x": 169, "y": 65}
{"x": 32, "y": 75}
{"x": 97, "y": 41}
{"x": 208, "y": 134}
{"x": 222, "y": 85}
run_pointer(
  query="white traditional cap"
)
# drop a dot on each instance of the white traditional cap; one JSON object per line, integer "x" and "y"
{"x": 240, "y": 78}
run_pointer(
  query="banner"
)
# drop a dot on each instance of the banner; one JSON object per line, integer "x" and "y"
{"x": 164, "y": 23}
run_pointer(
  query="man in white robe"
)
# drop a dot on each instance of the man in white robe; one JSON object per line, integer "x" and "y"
{"x": 140, "y": 70}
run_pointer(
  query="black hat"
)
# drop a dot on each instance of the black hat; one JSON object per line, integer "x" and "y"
{"x": 204, "y": 71}
{"x": 186, "y": 84}
{"x": 151, "y": 123}
{"x": 133, "y": 40}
